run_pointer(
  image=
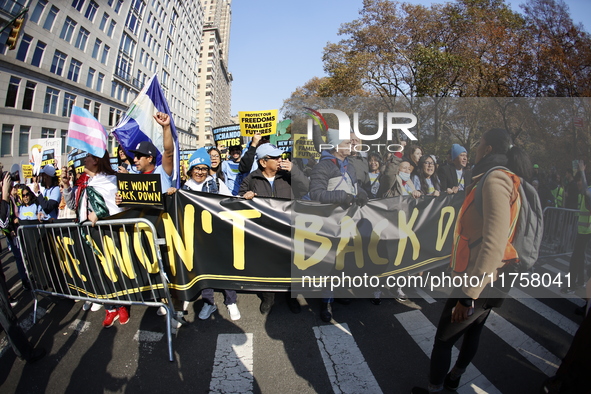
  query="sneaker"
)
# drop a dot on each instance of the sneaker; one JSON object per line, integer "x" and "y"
{"x": 207, "y": 310}
{"x": 450, "y": 384}
{"x": 161, "y": 311}
{"x": 86, "y": 306}
{"x": 267, "y": 303}
{"x": 294, "y": 305}
{"x": 13, "y": 302}
{"x": 326, "y": 312}
{"x": 400, "y": 296}
{"x": 110, "y": 318}
{"x": 95, "y": 307}
{"x": 123, "y": 315}
{"x": 186, "y": 305}
{"x": 234, "y": 312}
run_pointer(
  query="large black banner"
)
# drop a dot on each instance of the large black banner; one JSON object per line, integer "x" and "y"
{"x": 212, "y": 241}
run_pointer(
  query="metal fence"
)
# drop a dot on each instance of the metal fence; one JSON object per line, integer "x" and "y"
{"x": 560, "y": 231}
{"x": 115, "y": 262}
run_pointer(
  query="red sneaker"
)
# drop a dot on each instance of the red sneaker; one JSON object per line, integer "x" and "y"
{"x": 110, "y": 318}
{"x": 123, "y": 315}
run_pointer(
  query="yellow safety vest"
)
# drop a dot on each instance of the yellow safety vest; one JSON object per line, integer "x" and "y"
{"x": 584, "y": 216}
{"x": 558, "y": 196}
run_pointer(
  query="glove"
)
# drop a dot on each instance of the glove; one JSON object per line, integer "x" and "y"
{"x": 348, "y": 201}
{"x": 362, "y": 198}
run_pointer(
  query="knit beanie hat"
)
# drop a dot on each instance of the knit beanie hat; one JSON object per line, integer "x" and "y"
{"x": 456, "y": 150}
{"x": 200, "y": 156}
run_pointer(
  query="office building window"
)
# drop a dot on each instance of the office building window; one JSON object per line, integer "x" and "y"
{"x": 29, "y": 94}
{"x": 64, "y": 137}
{"x": 97, "y": 110}
{"x": 38, "y": 10}
{"x": 118, "y": 5}
{"x": 38, "y": 54}
{"x": 51, "y": 97}
{"x": 23, "y": 48}
{"x": 87, "y": 104}
{"x": 12, "y": 92}
{"x": 105, "y": 54}
{"x": 68, "y": 103}
{"x": 74, "y": 70}
{"x": 23, "y": 140}
{"x": 51, "y": 18}
{"x": 7, "y": 139}
{"x": 96, "y": 49}
{"x": 91, "y": 10}
{"x": 57, "y": 65}
{"x": 90, "y": 77}
{"x": 47, "y": 132}
{"x": 78, "y": 4}
{"x": 104, "y": 21}
{"x": 127, "y": 44}
{"x": 111, "y": 28}
{"x": 68, "y": 29}
{"x": 82, "y": 38}
{"x": 99, "y": 82}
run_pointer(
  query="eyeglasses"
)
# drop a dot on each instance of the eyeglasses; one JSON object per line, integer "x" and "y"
{"x": 214, "y": 156}
{"x": 201, "y": 169}
{"x": 272, "y": 158}
{"x": 26, "y": 194}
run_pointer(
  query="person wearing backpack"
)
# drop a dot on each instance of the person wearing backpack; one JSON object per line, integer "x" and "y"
{"x": 577, "y": 260}
{"x": 481, "y": 247}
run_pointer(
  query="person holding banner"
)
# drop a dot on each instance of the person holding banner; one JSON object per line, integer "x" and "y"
{"x": 274, "y": 178}
{"x": 48, "y": 201}
{"x": 200, "y": 181}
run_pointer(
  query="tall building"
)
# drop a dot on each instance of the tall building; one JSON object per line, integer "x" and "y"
{"x": 98, "y": 55}
{"x": 215, "y": 80}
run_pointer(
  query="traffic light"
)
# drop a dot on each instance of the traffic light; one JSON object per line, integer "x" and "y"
{"x": 14, "y": 32}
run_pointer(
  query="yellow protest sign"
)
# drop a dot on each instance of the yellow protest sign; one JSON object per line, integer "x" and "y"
{"x": 27, "y": 171}
{"x": 265, "y": 122}
{"x": 303, "y": 148}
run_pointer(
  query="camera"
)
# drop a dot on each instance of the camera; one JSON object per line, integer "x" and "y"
{"x": 14, "y": 176}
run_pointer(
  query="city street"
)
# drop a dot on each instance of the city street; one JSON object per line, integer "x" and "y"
{"x": 367, "y": 348}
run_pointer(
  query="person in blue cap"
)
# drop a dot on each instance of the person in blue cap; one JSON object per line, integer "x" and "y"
{"x": 455, "y": 177}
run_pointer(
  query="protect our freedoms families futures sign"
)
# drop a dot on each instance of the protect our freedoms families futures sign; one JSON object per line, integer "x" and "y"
{"x": 264, "y": 122}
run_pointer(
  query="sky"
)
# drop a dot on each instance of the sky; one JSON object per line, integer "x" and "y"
{"x": 277, "y": 45}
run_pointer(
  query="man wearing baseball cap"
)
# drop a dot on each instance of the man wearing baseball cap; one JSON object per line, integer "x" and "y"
{"x": 48, "y": 201}
{"x": 145, "y": 154}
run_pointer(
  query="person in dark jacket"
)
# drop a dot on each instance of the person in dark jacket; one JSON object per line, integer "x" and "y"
{"x": 333, "y": 180}
{"x": 277, "y": 178}
{"x": 455, "y": 177}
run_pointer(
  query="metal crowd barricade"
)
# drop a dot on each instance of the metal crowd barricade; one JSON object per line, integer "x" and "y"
{"x": 58, "y": 268}
{"x": 560, "y": 231}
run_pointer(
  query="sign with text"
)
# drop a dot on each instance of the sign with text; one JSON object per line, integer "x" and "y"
{"x": 140, "y": 189}
{"x": 264, "y": 122}
{"x": 303, "y": 148}
{"x": 227, "y": 136}
{"x": 27, "y": 171}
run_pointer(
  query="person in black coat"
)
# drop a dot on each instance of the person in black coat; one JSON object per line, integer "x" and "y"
{"x": 455, "y": 177}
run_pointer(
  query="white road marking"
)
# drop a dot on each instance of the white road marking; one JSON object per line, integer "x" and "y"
{"x": 526, "y": 346}
{"x": 79, "y": 326}
{"x": 425, "y": 296}
{"x": 571, "y": 297}
{"x": 544, "y": 310}
{"x": 233, "y": 364}
{"x": 423, "y": 332}
{"x": 347, "y": 370}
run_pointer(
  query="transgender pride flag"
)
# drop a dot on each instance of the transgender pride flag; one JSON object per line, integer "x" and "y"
{"x": 86, "y": 133}
{"x": 138, "y": 124}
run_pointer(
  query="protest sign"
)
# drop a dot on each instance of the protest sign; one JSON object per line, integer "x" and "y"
{"x": 264, "y": 122}
{"x": 227, "y": 136}
{"x": 27, "y": 171}
{"x": 140, "y": 189}
{"x": 303, "y": 148}
{"x": 43, "y": 151}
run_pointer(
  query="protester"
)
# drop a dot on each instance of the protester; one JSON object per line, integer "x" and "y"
{"x": 374, "y": 162}
{"x": 8, "y": 320}
{"x": 248, "y": 161}
{"x": 124, "y": 163}
{"x": 200, "y": 180}
{"x": 577, "y": 260}
{"x": 275, "y": 177}
{"x": 467, "y": 309}
{"x": 555, "y": 186}
{"x": 28, "y": 209}
{"x": 413, "y": 153}
{"x": 64, "y": 211}
{"x": 231, "y": 169}
{"x": 333, "y": 180}
{"x": 396, "y": 180}
{"x": 571, "y": 191}
{"x": 425, "y": 179}
{"x": 455, "y": 176}
{"x": 48, "y": 200}
{"x": 216, "y": 169}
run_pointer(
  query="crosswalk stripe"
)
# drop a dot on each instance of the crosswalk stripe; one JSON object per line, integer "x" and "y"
{"x": 79, "y": 326}
{"x": 526, "y": 346}
{"x": 425, "y": 296}
{"x": 544, "y": 310}
{"x": 571, "y": 297}
{"x": 347, "y": 370}
{"x": 563, "y": 262}
{"x": 423, "y": 332}
{"x": 233, "y": 364}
